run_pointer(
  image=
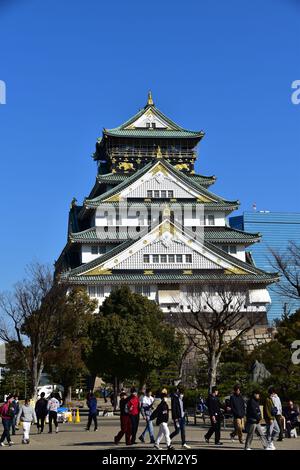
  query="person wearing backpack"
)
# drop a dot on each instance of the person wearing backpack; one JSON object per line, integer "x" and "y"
{"x": 7, "y": 414}
{"x": 27, "y": 416}
{"x": 270, "y": 412}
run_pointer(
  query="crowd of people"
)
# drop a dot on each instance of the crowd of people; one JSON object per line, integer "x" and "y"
{"x": 247, "y": 417}
{"x": 12, "y": 414}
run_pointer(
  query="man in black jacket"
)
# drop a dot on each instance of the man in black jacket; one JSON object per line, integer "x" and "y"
{"x": 178, "y": 416}
{"x": 41, "y": 412}
{"x": 237, "y": 406}
{"x": 214, "y": 411}
{"x": 253, "y": 414}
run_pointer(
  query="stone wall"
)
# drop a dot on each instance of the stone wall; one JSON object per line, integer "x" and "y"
{"x": 253, "y": 338}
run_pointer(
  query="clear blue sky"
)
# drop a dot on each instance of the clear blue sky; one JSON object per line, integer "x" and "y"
{"x": 72, "y": 67}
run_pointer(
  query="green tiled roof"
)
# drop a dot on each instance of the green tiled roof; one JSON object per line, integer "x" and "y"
{"x": 112, "y": 178}
{"x": 229, "y": 235}
{"x": 135, "y": 176}
{"x": 174, "y": 130}
{"x": 168, "y": 278}
{"x": 209, "y": 206}
{"x": 253, "y": 271}
{"x": 211, "y": 234}
{"x": 156, "y": 133}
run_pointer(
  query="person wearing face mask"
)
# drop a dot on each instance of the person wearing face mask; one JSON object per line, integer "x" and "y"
{"x": 161, "y": 413}
{"x": 215, "y": 411}
{"x": 178, "y": 416}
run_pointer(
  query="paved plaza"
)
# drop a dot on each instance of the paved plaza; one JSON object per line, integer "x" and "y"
{"x": 74, "y": 437}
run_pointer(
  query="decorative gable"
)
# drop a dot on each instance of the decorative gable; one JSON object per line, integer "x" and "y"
{"x": 174, "y": 249}
{"x": 159, "y": 183}
{"x": 149, "y": 119}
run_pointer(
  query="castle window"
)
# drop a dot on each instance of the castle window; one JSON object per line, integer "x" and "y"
{"x": 163, "y": 194}
{"x": 146, "y": 258}
{"x": 148, "y": 124}
{"x": 170, "y": 194}
{"x": 96, "y": 291}
{"x": 153, "y": 125}
{"x": 188, "y": 258}
{"x": 232, "y": 250}
{"x": 94, "y": 250}
{"x": 210, "y": 219}
{"x": 163, "y": 258}
{"x": 171, "y": 258}
{"x": 142, "y": 290}
{"x": 149, "y": 194}
{"x": 155, "y": 258}
{"x": 178, "y": 258}
{"x": 156, "y": 194}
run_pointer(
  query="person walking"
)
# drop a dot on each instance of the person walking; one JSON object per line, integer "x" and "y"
{"x": 161, "y": 413}
{"x": 124, "y": 421}
{"x": 92, "y": 406}
{"x": 270, "y": 411}
{"x": 291, "y": 414}
{"x": 253, "y": 416}
{"x": 27, "y": 415}
{"x": 237, "y": 406}
{"x": 214, "y": 411}
{"x": 41, "y": 412}
{"x": 178, "y": 416}
{"x": 16, "y": 407}
{"x": 279, "y": 418}
{"x": 146, "y": 403}
{"x": 7, "y": 414}
{"x": 52, "y": 407}
{"x": 134, "y": 411}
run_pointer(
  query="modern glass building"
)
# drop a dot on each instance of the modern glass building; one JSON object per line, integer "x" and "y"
{"x": 276, "y": 229}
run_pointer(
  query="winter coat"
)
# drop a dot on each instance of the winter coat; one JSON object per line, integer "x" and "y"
{"x": 161, "y": 413}
{"x": 133, "y": 405}
{"x": 213, "y": 406}
{"x": 26, "y": 414}
{"x": 92, "y": 405}
{"x": 237, "y": 406}
{"x": 253, "y": 412}
{"x": 175, "y": 407}
{"x": 41, "y": 407}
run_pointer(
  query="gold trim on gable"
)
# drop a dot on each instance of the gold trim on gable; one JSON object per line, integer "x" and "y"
{"x": 159, "y": 168}
{"x": 98, "y": 272}
{"x": 235, "y": 270}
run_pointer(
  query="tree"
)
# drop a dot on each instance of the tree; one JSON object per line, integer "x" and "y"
{"x": 33, "y": 319}
{"x": 65, "y": 361}
{"x": 276, "y": 356}
{"x": 130, "y": 338}
{"x": 212, "y": 314}
{"x": 287, "y": 263}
